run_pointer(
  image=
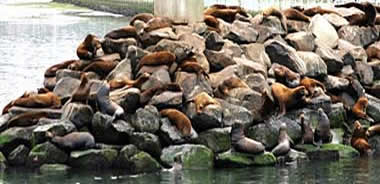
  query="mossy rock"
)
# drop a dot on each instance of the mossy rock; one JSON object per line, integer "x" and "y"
{"x": 93, "y": 158}
{"x": 142, "y": 162}
{"x": 46, "y": 153}
{"x": 344, "y": 151}
{"x": 57, "y": 169}
{"x": 237, "y": 159}
{"x": 13, "y": 137}
{"x": 191, "y": 156}
{"x": 217, "y": 139}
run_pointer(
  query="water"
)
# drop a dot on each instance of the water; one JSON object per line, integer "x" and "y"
{"x": 33, "y": 39}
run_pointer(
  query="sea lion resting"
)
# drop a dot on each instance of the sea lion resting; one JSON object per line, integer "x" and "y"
{"x": 368, "y": 19}
{"x": 73, "y": 141}
{"x": 122, "y": 81}
{"x": 244, "y": 144}
{"x": 283, "y": 146}
{"x": 181, "y": 121}
{"x": 24, "y": 120}
{"x": 202, "y": 100}
{"x": 106, "y": 105}
{"x": 148, "y": 94}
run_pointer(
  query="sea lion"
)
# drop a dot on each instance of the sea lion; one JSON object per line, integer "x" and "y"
{"x": 148, "y": 94}
{"x": 318, "y": 10}
{"x": 294, "y": 14}
{"x": 288, "y": 97}
{"x": 87, "y": 49}
{"x": 102, "y": 68}
{"x": 82, "y": 92}
{"x": 106, "y": 105}
{"x": 359, "y": 139}
{"x": 310, "y": 84}
{"x": 158, "y": 23}
{"x": 229, "y": 84}
{"x": 283, "y": 146}
{"x": 45, "y": 100}
{"x": 26, "y": 119}
{"x": 73, "y": 141}
{"x": 360, "y": 107}
{"x": 145, "y": 17}
{"x": 156, "y": 59}
{"x": 227, "y": 14}
{"x": 193, "y": 67}
{"x": 122, "y": 81}
{"x": 52, "y": 71}
{"x": 307, "y": 131}
{"x": 285, "y": 76}
{"x": 277, "y": 13}
{"x": 212, "y": 23}
{"x": 373, "y": 130}
{"x": 242, "y": 143}
{"x": 373, "y": 52}
{"x": 322, "y": 133}
{"x": 123, "y": 32}
{"x": 202, "y": 100}
{"x": 181, "y": 121}
{"x": 368, "y": 19}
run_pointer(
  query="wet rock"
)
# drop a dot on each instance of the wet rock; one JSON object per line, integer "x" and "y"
{"x": 3, "y": 162}
{"x": 65, "y": 87}
{"x": 210, "y": 117}
{"x": 373, "y": 109}
{"x": 301, "y": 41}
{"x": 336, "y": 20}
{"x": 330, "y": 152}
{"x": 285, "y": 55}
{"x": 333, "y": 62}
{"x": 77, "y": 113}
{"x": 93, "y": 159}
{"x": 191, "y": 156}
{"x": 181, "y": 49}
{"x": 315, "y": 66}
{"x": 242, "y": 32}
{"x": 167, "y": 99}
{"x": 297, "y": 26}
{"x": 256, "y": 52}
{"x": 251, "y": 100}
{"x": 124, "y": 68}
{"x": 235, "y": 114}
{"x": 336, "y": 83}
{"x": 337, "y": 116}
{"x": 13, "y": 137}
{"x": 18, "y": 156}
{"x": 67, "y": 73}
{"x": 324, "y": 32}
{"x": 58, "y": 128}
{"x": 237, "y": 159}
{"x": 106, "y": 130}
{"x": 147, "y": 142}
{"x": 214, "y": 41}
{"x": 365, "y": 73}
{"x": 169, "y": 134}
{"x": 146, "y": 119}
{"x": 46, "y": 153}
{"x": 127, "y": 98}
{"x": 359, "y": 36}
{"x": 357, "y": 52}
{"x": 54, "y": 169}
{"x": 294, "y": 155}
{"x": 196, "y": 41}
{"x": 217, "y": 139}
{"x": 51, "y": 113}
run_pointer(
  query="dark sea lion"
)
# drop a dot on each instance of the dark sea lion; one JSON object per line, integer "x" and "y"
{"x": 226, "y": 14}
{"x": 202, "y": 100}
{"x": 368, "y": 19}
{"x": 123, "y": 81}
{"x": 106, "y": 105}
{"x": 294, "y": 14}
{"x": 359, "y": 139}
{"x": 181, "y": 121}
{"x": 307, "y": 131}
{"x": 283, "y": 146}
{"x": 288, "y": 97}
{"x": 82, "y": 92}
{"x": 123, "y": 32}
{"x": 286, "y": 76}
{"x": 87, "y": 49}
{"x": 73, "y": 141}
{"x": 52, "y": 71}
{"x": 241, "y": 143}
{"x": 26, "y": 119}
{"x": 322, "y": 133}
{"x": 318, "y": 10}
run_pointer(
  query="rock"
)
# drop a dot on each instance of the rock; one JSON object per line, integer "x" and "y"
{"x": 142, "y": 162}
{"x": 111, "y": 132}
{"x": 323, "y": 101}
{"x": 374, "y": 142}
{"x": 274, "y": 24}
{"x": 169, "y": 134}
{"x": 196, "y": 41}
{"x": 357, "y": 52}
{"x": 246, "y": 67}
{"x": 257, "y": 82}
{"x": 46, "y": 153}
{"x": 365, "y": 73}
{"x": 123, "y": 159}
{"x": 294, "y": 155}
{"x": 157, "y": 35}
{"x": 57, "y": 128}
{"x": 181, "y": 49}
{"x": 330, "y": 152}
{"x": 4, "y": 120}
{"x": 11, "y": 138}
{"x": 93, "y": 159}
{"x": 375, "y": 64}
{"x": 265, "y": 33}
{"x": 167, "y": 99}
{"x": 147, "y": 142}
{"x": 210, "y": 117}
{"x": 235, "y": 114}
{"x": 65, "y": 88}
{"x": 134, "y": 55}
{"x": 3, "y": 162}
{"x": 333, "y": 62}
{"x": 373, "y": 109}
{"x": 297, "y": 26}
{"x": 216, "y": 139}
{"x": 285, "y": 55}
{"x": 337, "y": 115}
{"x": 218, "y": 59}
{"x": 336, "y": 83}
{"x": 324, "y": 32}
{"x": 146, "y": 119}
{"x": 232, "y": 49}
{"x": 237, "y": 159}
{"x": 50, "y": 82}
{"x": 347, "y": 57}
{"x": 192, "y": 85}
{"x": 242, "y": 32}
{"x": 359, "y": 36}
{"x": 67, "y": 73}
{"x": 18, "y": 156}
{"x": 55, "y": 169}
{"x": 191, "y": 156}
{"x": 51, "y": 113}
{"x": 124, "y": 68}
{"x": 256, "y": 52}
{"x": 77, "y": 113}
{"x": 214, "y": 41}
{"x": 127, "y": 98}
{"x": 224, "y": 27}
{"x": 301, "y": 41}
{"x": 336, "y": 20}
{"x": 315, "y": 66}
{"x": 159, "y": 77}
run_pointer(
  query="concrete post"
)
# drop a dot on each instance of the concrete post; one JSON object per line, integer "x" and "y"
{"x": 180, "y": 10}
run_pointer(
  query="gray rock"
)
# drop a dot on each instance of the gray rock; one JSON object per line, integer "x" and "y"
{"x": 13, "y": 137}
{"x": 50, "y": 82}
{"x": 246, "y": 67}
{"x": 18, "y": 156}
{"x": 373, "y": 109}
{"x": 4, "y": 120}
{"x": 285, "y": 55}
{"x": 192, "y": 84}
{"x": 111, "y": 132}
{"x": 169, "y": 134}
{"x": 157, "y": 35}
{"x": 159, "y": 77}
{"x": 235, "y": 114}
{"x": 325, "y": 33}
{"x": 375, "y": 64}
{"x": 333, "y": 62}
{"x": 127, "y": 98}
{"x": 218, "y": 59}
{"x": 359, "y": 36}
{"x": 57, "y": 128}
{"x": 242, "y": 32}
{"x": 120, "y": 46}
{"x": 315, "y": 66}
{"x": 46, "y": 153}
{"x": 51, "y": 113}
{"x": 210, "y": 117}
{"x": 93, "y": 159}
{"x": 297, "y": 26}
{"x": 124, "y": 68}
{"x": 336, "y": 83}
{"x": 232, "y": 48}
{"x": 274, "y": 24}
{"x": 365, "y": 73}
{"x": 147, "y": 142}
{"x": 301, "y": 41}
{"x": 374, "y": 142}
{"x": 257, "y": 82}
{"x": 167, "y": 99}
{"x": 346, "y": 56}
{"x": 146, "y": 119}
{"x": 123, "y": 159}
{"x": 196, "y": 41}
{"x": 181, "y": 49}
{"x": 142, "y": 162}
{"x": 77, "y": 113}
{"x": 214, "y": 41}
{"x": 190, "y": 156}
{"x": 337, "y": 115}
{"x": 67, "y": 73}
{"x": 217, "y": 139}
{"x": 336, "y": 20}
{"x": 237, "y": 159}
{"x": 357, "y": 52}
{"x": 256, "y": 52}
{"x": 323, "y": 101}
{"x": 65, "y": 87}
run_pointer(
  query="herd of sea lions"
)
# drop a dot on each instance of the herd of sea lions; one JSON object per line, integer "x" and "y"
{"x": 99, "y": 57}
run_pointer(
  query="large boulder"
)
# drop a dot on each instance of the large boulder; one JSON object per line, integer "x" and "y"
{"x": 124, "y": 68}
{"x": 365, "y": 73}
{"x": 373, "y": 109}
{"x": 93, "y": 158}
{"x": 65, "y": 87}
{"x": 336, "y": 83}
{"x": 333, "y": 62}
{"x": 11, "y": 138}
{"x": 301, "y": 41}
{"x": 136, "y": 161}
{"x": 77, "y": 113}
{"x": 359, "y": 36}
{"x": 357, "y": 52}
{"x": 237, "y": 159}
{"x": 274, "y": 24}
{"x": 315, "y": 66}
{"x": 147, "y": 142}
{"x": 18, "y": 156}
{"x": 46, "y": 153}
{"x": 167, "y": 99}
{"x": 57, "y": 128}
{"x": 196, "y": 41}
{"x": 242, "y": 32}
{"x": 127, "y": 98}
{"x": 235, "y": 114}
{"x": 256, "y": 52}
{"x": 217, "y": 139}
{"x": 169, "y": 134}
{"x": 336, "y": 20}
{"x": 324, "y": 32}
{"x": 146, "y": 119}
{"x": 214, "y": 41}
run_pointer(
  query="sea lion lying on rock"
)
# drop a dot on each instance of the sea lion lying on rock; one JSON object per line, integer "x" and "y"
{"x": 73, "y": 141}
{"x": 181, "y": 121}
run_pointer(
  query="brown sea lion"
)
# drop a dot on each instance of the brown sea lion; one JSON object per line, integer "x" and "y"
{"x": 322, "y": 133}
{"x": 368, "y": 19}
{"x": 145, "y": 17}
{"x": 73, "y": 141}
{"x": 181, "y": 121}
{"x": 123, "y": 32}
{"x": 82, "y": 92}
{"x": 193, "y": 67}
{"x": 158, "y": 23}
{"x": 212, "y": 23}
{"x": 106, "y": 105}
{"x": 122, "y": 81}
{"x": 277, "y": 13}
{"x": 242, "y": 143}
{"x": 288, "y": 97}
{"x": 359, "y": 139}
{"x": 102, "y": 68}
{"x": 226, "y": 14}
{"x": 156, "y": 59}
{"x": 360, "y": 107}
{"x": 45, "y": 100}
{"x": 310, "y": 84}
{"x": 318, "y": 10}
{"x": 231, "y": 83}
{"x": 51, "y": 71}
{"x": 26, "y": 119}
{"x": 285, "y": 76}
{"x": 283, "y": 146}
{"x": 294, "y": 14}
{"x": 202, "y": 100}
{"x": 373, "y": 52}
{"x": 148, "y": 94}
{"x": 87, "y": 49}
{"x": 307, "y": 131}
